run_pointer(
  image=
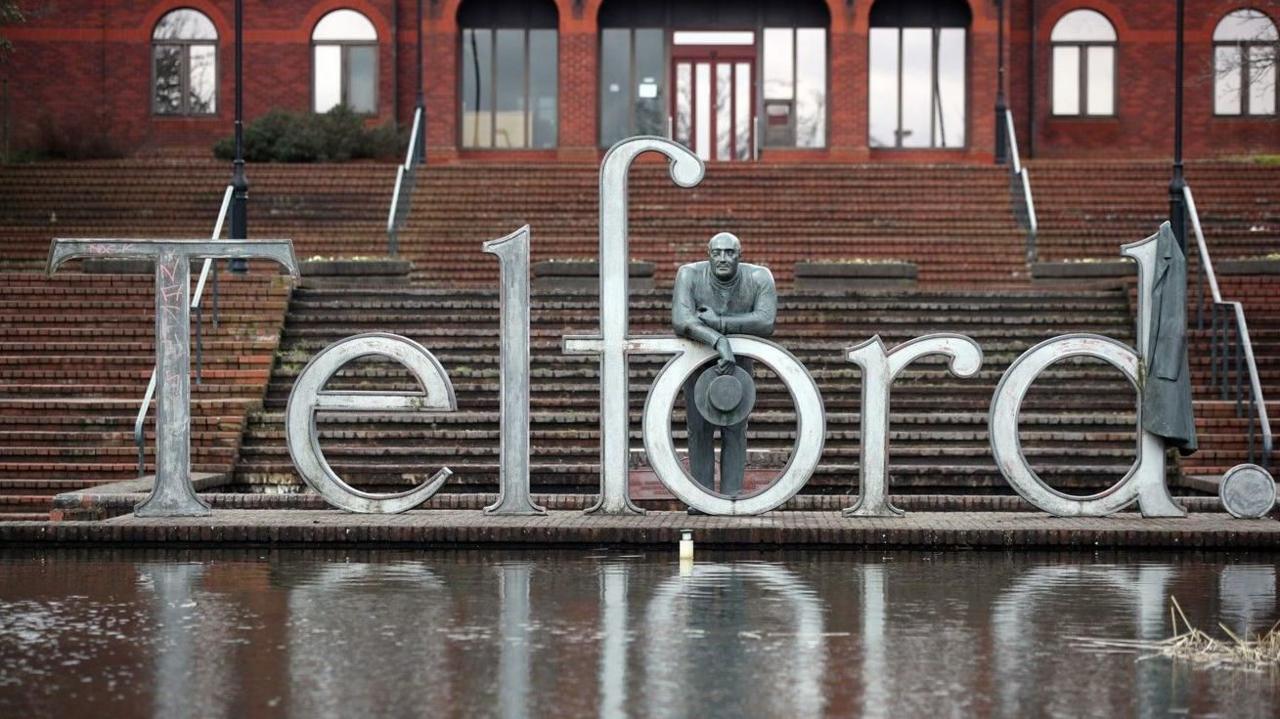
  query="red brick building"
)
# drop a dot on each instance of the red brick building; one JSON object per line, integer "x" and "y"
{"x": 765, "y": 80}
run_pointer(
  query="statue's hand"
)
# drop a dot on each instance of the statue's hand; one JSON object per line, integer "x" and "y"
{"x": 709, "y": 318}
{"x": 726, "y": 362}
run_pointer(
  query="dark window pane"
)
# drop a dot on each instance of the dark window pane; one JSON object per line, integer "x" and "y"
{"x": 362, "y": 78}
{"x": 651, "y": 83}
{"x": 542, "y": 87}
{"x": 509, "y": 120}
{"x": 615, "y": 81}
{"x": 476, "y": 74}
{"x": 167, "y": 60}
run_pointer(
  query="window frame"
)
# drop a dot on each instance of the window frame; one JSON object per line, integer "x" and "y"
{"x": 344, "y": 84}
{"x": 184, "y": 47}
{"x": 935, "y": 37}
{"x": 1082, "y": 77}
{"x": 492, "y": 94}
{"x": 1245, "y": 46}
{"x": 794, "y": 30}
{"x": 667, "y": 69}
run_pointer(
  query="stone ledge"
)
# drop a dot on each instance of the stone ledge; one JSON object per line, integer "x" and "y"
{"x": 584, "y": 275}
{"x": 1104, "y": 272}
{"x": 847, "y": 276}
{"x": 1257, "y": 266}
{"x": 460, "y": 528}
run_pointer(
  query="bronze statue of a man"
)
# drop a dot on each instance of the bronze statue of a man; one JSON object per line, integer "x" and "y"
{"x": 712, "y": 299}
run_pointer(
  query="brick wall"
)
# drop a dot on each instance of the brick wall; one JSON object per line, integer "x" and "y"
{"x": 86, "y": 71}
{"x": 1145, "y": 72}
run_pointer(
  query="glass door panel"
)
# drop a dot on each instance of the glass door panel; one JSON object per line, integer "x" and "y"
{"x": 714, "y": 104}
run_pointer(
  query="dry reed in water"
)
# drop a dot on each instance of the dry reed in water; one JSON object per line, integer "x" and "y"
{"x": 1192, "y": 645}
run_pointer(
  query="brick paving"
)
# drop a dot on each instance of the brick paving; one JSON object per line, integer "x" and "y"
{"x": 572, "y": 528}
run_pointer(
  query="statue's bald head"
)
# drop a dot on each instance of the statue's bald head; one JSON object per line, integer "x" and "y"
{"x": 724, "y": 251}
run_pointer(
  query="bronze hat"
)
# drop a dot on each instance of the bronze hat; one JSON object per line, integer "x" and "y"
{"x": 724, "y": 399}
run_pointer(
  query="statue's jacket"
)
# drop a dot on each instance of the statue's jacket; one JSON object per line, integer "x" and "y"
{"x": 1166, "y": 392}
{"x": 747, "y": 304}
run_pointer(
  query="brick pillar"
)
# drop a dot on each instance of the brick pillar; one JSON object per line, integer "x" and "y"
{"x": 982, "y": 73}
{"x": 440, "y": 55}
{"x": 847, "y": 82}
{"x": 578, "y": 82}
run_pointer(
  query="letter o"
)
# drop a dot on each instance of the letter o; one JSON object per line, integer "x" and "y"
{"x": 811, "y": 428}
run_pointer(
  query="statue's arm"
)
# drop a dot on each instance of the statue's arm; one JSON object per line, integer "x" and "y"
{"x": 684, "y": 312}
{"x": 759, "y": 321}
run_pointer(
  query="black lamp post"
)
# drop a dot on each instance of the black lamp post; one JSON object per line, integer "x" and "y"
{"x": 239, "y": 184}
{"x": 1002, "y": 107}
{"x": 1177, "y": 207}
{"x": 422, "y": 102}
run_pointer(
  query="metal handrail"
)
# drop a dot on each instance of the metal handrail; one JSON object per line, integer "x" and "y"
{"x": 1243, "y": 344}
{"x": 210, "y": 266}
{"x": 1019, "y": 175}
{"x": 402, "y": 195}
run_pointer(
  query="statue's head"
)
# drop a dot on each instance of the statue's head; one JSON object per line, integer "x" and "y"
{"x": 725, "y": 252}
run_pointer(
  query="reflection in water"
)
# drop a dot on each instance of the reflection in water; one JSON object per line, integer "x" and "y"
{"x": 193, "y": 676}
{"x": 354, "y": 638}
{"x": 1033, "y": 605}
{"x": 549, "y": 633}
{"x": 513, "y": 678}
{"x": 728, "y": 636}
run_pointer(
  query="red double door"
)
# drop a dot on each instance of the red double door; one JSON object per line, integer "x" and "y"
{"x": 714, "y": 108}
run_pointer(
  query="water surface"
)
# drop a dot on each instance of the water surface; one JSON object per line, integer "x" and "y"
{"x": 610, "y": 633}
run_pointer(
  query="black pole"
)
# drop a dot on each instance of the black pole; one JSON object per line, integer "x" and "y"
{"x": 1002, "y": 107}
{"x": 422, "y": 101}
{"x": 1177, "y": 208}
{"x": 239, "y": 184}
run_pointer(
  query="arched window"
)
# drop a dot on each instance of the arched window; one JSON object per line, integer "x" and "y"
{"x": 917, "y": 81}
{"x": 509, "y": 83}
{"x": 1084, "y": 64}
{"x": 184, "y": 64}
{"x": 345, "y": 63}
{"x": 1244, "y": 64}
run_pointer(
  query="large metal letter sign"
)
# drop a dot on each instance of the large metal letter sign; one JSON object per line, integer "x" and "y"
{"x": 513, "y": 445}
{"x": 686, "y": 171}
{"x": 172, "y": 494}
{"x": 879, "y": 369}
{"x": 811, "y": 422}
{"x": 1145, "y": 481}
{"x": 307, "y": 397}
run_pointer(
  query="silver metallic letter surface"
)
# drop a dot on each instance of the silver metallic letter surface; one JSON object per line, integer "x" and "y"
{"x": 513, "y": 453}
{"x": 308, "y": 396}
{"x": 172, "y": 495}
{"x": 1144, "y": 482}
{"x": 686, "y": 171}
{"x": 811, "y": 422}
{"x": 879, "y": 369}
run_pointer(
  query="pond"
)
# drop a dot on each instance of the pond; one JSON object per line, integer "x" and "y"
{"x": 126, "y": 633}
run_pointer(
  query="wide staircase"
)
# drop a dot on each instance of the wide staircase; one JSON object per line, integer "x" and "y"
{"x": 1077, "y": 422}
{"x": 1223, "y": 424}
{"x": 954, "y": 222}
{"x": 76, "y": 353}
{"x": 1086, "y": 210}
{"x": 325, "y": 208}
